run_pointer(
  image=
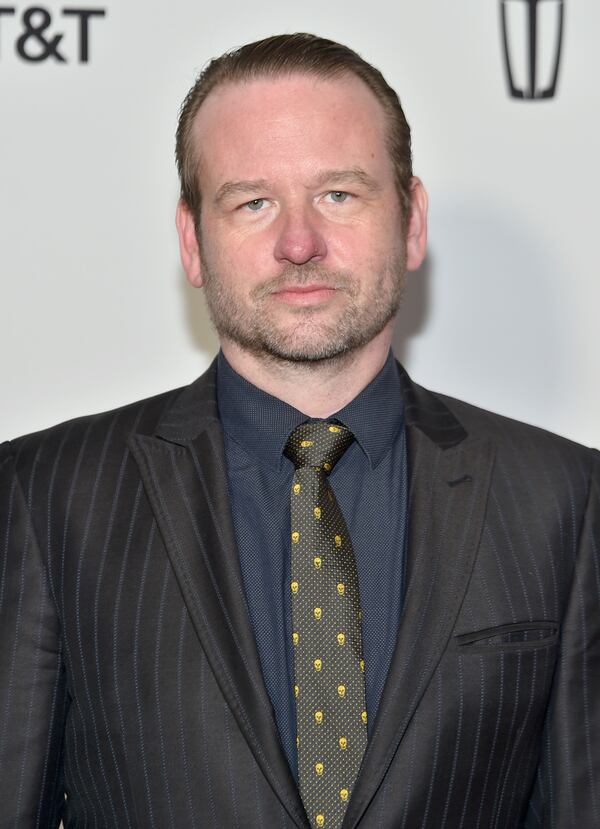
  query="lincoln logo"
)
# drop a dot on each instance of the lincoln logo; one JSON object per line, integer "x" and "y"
{"x": 532, "y": 33}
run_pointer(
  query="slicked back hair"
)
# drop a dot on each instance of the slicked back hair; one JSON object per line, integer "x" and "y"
{"x": 280, "y": 56}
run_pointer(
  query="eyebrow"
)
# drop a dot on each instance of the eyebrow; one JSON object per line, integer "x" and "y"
{"x": 234, "y": 188}
{"x": 247, "y": 187}
{"x": 353, "y": 175}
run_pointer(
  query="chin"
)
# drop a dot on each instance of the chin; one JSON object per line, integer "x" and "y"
{"x": 307, "y": 355}
{"x": 309, "y": 349}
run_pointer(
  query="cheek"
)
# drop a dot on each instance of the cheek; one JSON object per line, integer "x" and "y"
{"x": 241, "y": 264}
{"x": 347, "y": 246}
{"x": 249, "y": 261}
{"x": 362, "y": 247}
{"x": 241, "y": 247}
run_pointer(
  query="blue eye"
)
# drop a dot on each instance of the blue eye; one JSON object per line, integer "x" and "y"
{"x": 255, "y": 204}
{"x": 339, "y": 196}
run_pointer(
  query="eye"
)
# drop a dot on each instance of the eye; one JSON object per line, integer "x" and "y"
{"x": 255, "y": 205}
{"x": 339, "y": 196}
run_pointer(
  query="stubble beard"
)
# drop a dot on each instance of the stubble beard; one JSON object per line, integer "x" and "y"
{"x": 309, "y": 338}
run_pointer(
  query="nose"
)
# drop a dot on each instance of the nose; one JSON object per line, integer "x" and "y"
{"x": 300, "y": 239}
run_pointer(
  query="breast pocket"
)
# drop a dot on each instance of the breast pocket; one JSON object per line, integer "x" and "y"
{"x": 517, "y": 636}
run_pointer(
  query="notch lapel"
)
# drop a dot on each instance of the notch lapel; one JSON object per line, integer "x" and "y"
{"x": 449, "y": 476}
{"x": 184, "y": 474}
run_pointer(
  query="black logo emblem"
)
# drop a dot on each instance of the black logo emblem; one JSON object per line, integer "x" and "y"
{"x": 36, "y": 42}
{"x": 532, "y": 32}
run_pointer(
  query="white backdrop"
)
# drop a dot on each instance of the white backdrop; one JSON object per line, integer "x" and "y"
{"x": 95, "y": 311}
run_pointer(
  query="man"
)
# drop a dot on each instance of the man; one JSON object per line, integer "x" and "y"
{"x": 303, "y": 590}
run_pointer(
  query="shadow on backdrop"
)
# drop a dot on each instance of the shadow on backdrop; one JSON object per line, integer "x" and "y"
{"x": 491, "y": 321}
{"x": 414, "y": 311}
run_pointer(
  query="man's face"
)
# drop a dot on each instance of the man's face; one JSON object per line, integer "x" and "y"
{"x": 301, "y": 249}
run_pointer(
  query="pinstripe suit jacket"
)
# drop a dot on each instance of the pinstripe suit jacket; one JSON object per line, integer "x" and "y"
{"x": 131, "y": 693}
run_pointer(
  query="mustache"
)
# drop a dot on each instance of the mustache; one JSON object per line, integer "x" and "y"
{"x": 297, "y": 275}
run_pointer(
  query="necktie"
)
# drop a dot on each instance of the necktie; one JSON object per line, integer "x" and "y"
{"x": 326, "y": 623}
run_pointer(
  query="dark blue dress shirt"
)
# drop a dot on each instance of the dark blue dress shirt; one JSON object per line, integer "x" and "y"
{"x": 370, "y": 484}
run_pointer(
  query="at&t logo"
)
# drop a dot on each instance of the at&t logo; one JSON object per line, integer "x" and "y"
{"x": 37, "y": 39}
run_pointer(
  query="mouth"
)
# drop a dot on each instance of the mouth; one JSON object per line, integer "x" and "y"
{"x": 304, "y": 295}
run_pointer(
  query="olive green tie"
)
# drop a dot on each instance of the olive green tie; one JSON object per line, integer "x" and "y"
{"x": 326, "y": 623}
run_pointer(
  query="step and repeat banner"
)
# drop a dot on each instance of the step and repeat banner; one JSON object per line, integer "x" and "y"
{"x": 503, "y": 100}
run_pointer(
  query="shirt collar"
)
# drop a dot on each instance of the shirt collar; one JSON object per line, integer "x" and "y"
{"x": 261, "y": 423}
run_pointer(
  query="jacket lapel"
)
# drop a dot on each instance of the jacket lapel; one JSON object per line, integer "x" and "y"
{"x": 449, "y": 475}
{"x": 184, "y": 475}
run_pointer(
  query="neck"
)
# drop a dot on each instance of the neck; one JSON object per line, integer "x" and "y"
{"x": 317, "y": 389}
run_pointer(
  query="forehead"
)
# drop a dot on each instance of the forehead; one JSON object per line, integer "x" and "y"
{"x": 273, "y": 121}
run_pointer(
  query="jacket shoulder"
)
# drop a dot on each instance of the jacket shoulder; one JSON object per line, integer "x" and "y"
{"x": 501, "y": 428}
{"x": 533, "y": 465}
{"x": 449, "y": 421}
{"x": 90, "y": 433}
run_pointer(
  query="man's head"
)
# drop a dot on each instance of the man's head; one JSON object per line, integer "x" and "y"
{"x": 309, "y": 218}
{"x": 276, "y": 57}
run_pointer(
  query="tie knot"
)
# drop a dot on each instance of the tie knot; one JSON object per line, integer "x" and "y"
{"x": 320, "y": 444}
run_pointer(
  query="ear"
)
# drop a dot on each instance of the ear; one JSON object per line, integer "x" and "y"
{"x": 189, "y": 249}
{"x": 416, "y": 235}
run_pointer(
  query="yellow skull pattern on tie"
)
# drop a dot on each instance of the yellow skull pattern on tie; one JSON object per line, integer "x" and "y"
{"x": 326, "y": 620}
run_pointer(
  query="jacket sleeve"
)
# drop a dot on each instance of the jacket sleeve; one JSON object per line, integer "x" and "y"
{"x": 566, "y": 793}
{"x": 33, "y": 697}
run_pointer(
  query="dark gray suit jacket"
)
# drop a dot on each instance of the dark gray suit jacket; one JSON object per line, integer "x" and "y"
{"x": 131, "y": 693}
